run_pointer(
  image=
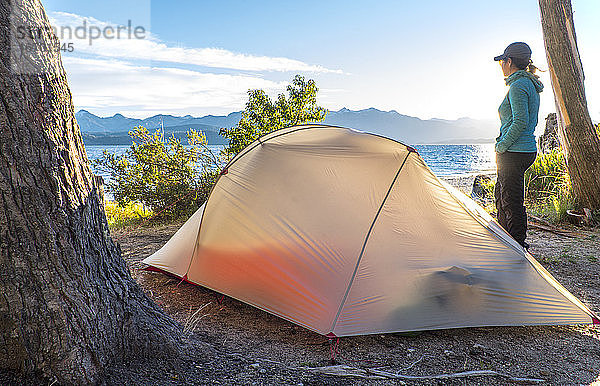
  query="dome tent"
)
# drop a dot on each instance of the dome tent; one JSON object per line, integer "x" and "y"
{"x": 349, "y": 233}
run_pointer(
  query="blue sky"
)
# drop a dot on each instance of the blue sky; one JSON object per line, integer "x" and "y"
{"x": 426, "y": 59}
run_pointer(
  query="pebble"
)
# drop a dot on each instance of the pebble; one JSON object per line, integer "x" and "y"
{"x": 477, "y": 349}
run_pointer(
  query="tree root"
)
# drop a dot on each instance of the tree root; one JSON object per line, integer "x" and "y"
{"x": 544, "y": 225}
{"x": 347, "y": 371}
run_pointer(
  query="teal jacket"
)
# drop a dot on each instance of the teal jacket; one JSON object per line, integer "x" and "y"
{"x": 519, "y": 113}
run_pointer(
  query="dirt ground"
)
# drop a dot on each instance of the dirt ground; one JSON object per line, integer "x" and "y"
{"x": 249, "y": 346}
{"x": 229, "y": 342}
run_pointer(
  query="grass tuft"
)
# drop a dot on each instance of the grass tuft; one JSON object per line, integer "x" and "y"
{"x": 548, "y": 192}
{"x": 130, "y": 215}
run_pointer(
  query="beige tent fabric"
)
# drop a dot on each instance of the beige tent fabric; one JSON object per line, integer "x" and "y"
{"x": 175, "y": 256}
{"x": 350, "y": 233}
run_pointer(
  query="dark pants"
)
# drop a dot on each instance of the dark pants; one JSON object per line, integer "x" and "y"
{"x": 509, "y": 192}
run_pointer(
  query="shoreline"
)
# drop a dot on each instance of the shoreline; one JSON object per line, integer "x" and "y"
{"x": 465, "y": 182}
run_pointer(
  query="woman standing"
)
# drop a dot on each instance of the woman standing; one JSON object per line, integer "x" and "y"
{"x": 516, "y": 146}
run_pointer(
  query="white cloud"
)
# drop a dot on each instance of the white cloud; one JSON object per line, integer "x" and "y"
{"x": 122, "y": 75}
{"x": 106, "y": 86}
{"x": 152, "y": 48}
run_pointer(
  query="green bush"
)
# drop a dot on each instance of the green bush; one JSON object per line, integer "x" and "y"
{"x": 165, "y": 176}
{"x": 548, "y": 190}
{"x": 547, "y": 177}
{"x": 263, "y": 116}
{"x": 171, "y": 180}
{"x": 488, "y": 202}
{"x": 120, "y": 217}
{"x": 553, "y": 209}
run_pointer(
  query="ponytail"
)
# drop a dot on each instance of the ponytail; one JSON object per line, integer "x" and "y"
{"x": 527, "y": 65}
{"x": 531, "y": 67}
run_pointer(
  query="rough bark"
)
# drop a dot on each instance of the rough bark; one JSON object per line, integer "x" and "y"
{"x": 68, "y": 304}
{"x": 577, "y": 134}
{"x": 549, "y": 140}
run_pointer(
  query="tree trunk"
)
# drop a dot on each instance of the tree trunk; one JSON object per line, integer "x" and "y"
{"x": 68, "y": 304}
{"x": 577, "y": 133}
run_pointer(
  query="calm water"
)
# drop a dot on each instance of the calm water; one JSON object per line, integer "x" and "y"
{"x": 444, "y": 160}
{"x": 450, "y": 160}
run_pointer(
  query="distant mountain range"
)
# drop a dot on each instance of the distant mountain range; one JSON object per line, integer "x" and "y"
{"x": 114, "y": 130}
{"x": 410, "y": 130}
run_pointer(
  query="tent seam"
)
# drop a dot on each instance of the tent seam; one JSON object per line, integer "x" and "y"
{"x": 343, "y": 302}
{"x": 250, "y": 148}
{"x": 229, "y": 164}
{"x": 300, "y": 128}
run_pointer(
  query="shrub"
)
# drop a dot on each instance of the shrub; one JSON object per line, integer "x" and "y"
{"x": 171, "y": 179}
{"x": 488, "y": 202}
{"x": 124, "y": 216}
{"x": 548, "y": 190}
{"x": 164, "y": 176}
{"x": 547, "y": 177}
{"x": 263, "y": 116}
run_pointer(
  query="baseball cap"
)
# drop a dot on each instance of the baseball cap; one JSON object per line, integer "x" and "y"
{"x": 516, "y": 50}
